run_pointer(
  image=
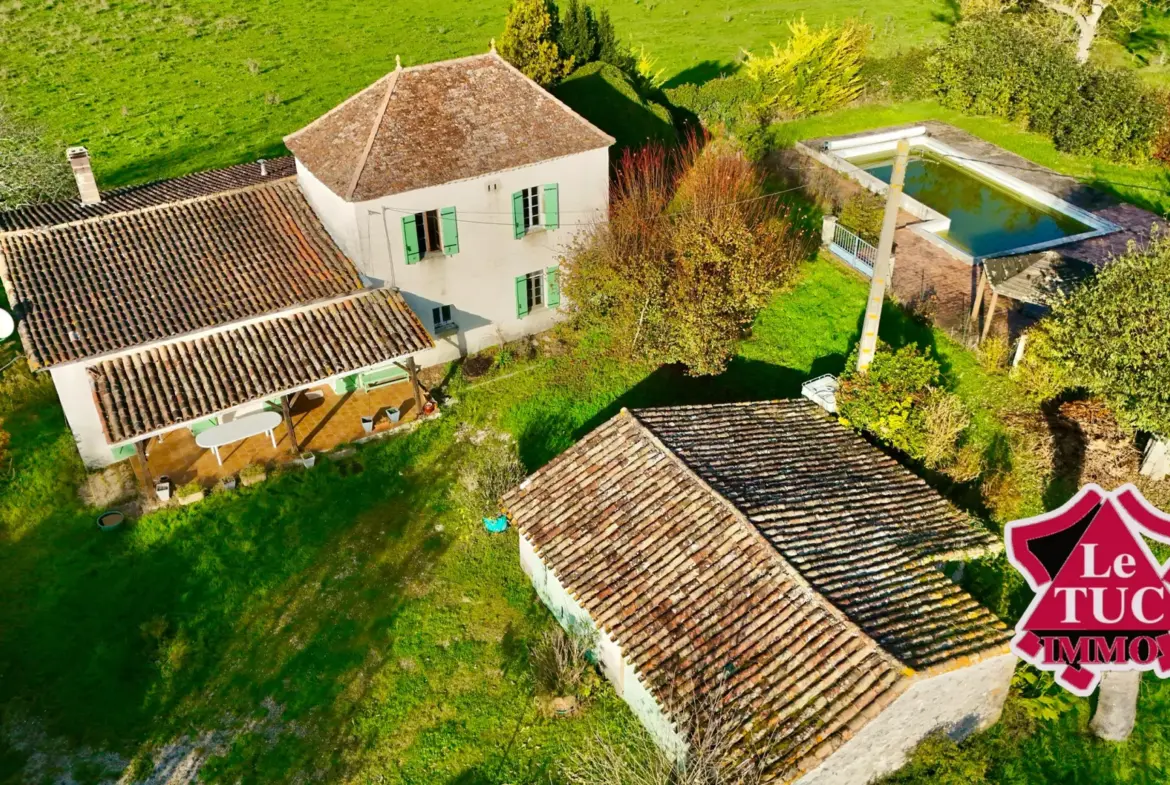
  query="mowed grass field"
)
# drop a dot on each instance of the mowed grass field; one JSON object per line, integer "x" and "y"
{"x": 158, "y": 88}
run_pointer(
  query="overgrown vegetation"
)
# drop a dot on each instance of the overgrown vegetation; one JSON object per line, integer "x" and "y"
{"x": 529, "y": 42}
{"x": 1112, "y": 336}
{"x": 817, "y": 70}
{"x": 32, "y": 169}
{"x": 693, "y": 248}
{"x": 899, "y": 401}
{"x": 1002, "y": 65}
{"x": 863, "y": 213}
{"x": 560, "y": 661}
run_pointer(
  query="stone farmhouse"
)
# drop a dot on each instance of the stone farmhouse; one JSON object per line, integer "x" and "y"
{"x": 766, "y": 555}
{"x": 419, "y": 220}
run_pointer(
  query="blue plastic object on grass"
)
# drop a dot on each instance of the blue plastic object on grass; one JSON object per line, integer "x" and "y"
{"x": 497, "y": 524}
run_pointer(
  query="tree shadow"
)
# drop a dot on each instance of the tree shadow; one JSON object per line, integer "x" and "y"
{"x": 1069, "y": 444}
{"x": 700, "y": 73}
{"x": 606, "y": 97}
{"x": 274, "y": 592}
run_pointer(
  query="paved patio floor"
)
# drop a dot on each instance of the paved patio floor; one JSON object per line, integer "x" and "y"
{"x": 322, "y": 420}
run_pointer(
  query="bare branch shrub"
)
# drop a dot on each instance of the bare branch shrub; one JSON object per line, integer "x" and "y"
{"x": 560, "y": 660}
{"x": 492, "y": 469}
{"x": 693, "y": 248}
{"x": 945, "y": 418}
{"x": 32, "y": 170}
{"x": 720, "y": 750}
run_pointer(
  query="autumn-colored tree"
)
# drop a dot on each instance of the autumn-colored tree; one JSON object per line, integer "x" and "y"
{"x": 529, "y": 42}
{"x": 693, "y": 249}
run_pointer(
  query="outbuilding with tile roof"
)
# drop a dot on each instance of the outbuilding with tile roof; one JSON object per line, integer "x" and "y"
{"x": 766, "y": 554}
{"x": 422, "y": 219}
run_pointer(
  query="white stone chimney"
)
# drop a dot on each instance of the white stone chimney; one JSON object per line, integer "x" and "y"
{"x": 86, "y": 184}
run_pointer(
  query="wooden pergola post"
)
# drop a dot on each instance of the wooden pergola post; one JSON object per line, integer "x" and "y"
{"x": 140, "y": 449}
{"x": 974, "y": 317}
{"x": 286, "y": 409}
{"x": 990, "y": 316}
{"x": 412, "y": 369}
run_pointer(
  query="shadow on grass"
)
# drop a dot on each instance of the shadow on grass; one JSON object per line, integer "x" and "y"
{"x": 188, "y": 619}
{"x": 606, "y": 97}
{"x": 700, "y": 73}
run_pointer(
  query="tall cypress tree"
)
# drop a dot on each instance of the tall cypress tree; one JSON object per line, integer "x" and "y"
{"x": 609, "y": 49}
{"x": 579, "y": 33}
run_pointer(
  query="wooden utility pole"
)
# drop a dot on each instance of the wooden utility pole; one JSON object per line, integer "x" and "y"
{"x": 881, "y": 269}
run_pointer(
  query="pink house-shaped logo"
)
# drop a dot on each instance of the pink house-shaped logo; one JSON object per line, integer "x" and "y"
{"x": 1102, "y": 600}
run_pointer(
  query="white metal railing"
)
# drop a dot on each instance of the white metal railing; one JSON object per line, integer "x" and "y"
{"x": 853, "y": 249}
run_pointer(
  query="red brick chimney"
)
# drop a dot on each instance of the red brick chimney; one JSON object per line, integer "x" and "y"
{"x": 86, "y": 184}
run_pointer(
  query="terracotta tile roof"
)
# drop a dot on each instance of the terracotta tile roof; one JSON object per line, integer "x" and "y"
{"x": 863, "y": 531}
{"x": 691, "y": 591}
{"x": 189, "y": 380}
{"x": 766, "y": 541}
{"x": 118, "y": 281}
{"x": 135, "y": 197}
{"x": 438, "y": 123}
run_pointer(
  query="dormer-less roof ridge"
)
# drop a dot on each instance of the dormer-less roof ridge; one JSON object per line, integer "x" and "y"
{"x": 177, "y": 204}
{"x": 791, "y": 572}
{"x": 96, "y": 286}
{"x": 436, "y": 123}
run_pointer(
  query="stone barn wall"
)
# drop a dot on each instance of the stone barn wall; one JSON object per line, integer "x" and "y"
{"x": 958, "y": 702}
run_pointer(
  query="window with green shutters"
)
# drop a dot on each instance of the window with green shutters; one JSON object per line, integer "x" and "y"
{"x": 450, "y": 231}
{"x": 521, "y": 296}
{"x": 552, "y": 288}
{"x": 552, "y": 207}
{"x": 536, "y": 207}
{"x": 430, "y": 232}
{"x": 410, "y": 238}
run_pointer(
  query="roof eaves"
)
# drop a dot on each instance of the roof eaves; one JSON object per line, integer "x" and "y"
{"x": 152, "y": 208}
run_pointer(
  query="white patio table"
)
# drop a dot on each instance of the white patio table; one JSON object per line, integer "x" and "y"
{"x": 236, "y": 430}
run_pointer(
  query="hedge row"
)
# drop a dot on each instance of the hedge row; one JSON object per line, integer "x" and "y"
{"x": 998, "y": 66}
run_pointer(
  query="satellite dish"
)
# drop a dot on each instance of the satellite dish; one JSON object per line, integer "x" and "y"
{"x": 7, "y": 325}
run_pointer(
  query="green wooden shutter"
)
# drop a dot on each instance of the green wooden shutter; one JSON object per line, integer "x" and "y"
{"x": 521, "y": 296}
{"x": 518, "y": 213}
{"x": 410, "y": 239}
{"x": 553, "y": 286}
{"x": 552, "y": 207}
{"x": 450, "y": 231}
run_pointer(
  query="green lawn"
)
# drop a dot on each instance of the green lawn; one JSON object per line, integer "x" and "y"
{"x": 347, "y": 624}
{"x": 158, "y": 89}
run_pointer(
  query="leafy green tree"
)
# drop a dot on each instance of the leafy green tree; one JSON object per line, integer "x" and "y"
{"x": 578, "y": 34}
{"x": 817, "y": 70}
{"x": 529, "y": 42}
{"x": 1113, "y": 336}
{"x": 1088, "y": 15}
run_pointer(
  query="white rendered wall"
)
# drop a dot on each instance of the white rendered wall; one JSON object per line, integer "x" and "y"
{"x": 958, "y": 702}
{"x": 76, "y": 394}
{"x": 621, "y": 674}
{"x": 479, "y": 281}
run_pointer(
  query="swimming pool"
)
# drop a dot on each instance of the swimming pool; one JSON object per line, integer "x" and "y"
{"x": 986, "y": 219}
{"x": 970, "y": 208}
